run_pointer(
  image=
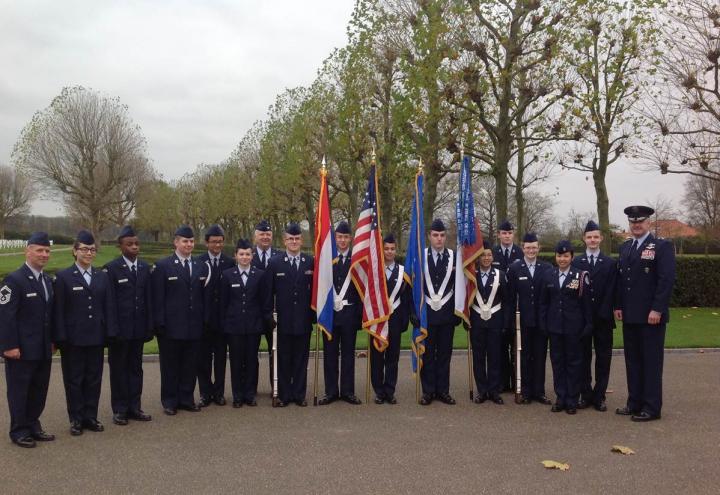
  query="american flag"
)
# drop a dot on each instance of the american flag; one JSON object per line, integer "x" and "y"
{"x": 368, "y": 267}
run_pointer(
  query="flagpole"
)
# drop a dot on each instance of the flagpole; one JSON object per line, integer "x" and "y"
{"x": 417, "y": 349}
{"x": 323, "y": 174}
{"x": 468, "y": 330}
{"x": 369, "y": 350}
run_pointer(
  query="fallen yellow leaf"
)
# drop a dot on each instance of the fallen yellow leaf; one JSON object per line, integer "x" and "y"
{"x": 623, "y": 450}
{"x": 714, "y": 313}
{"x": 556, "y": 465}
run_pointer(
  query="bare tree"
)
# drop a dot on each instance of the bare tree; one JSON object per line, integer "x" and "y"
{"x": 702, "y": 202}
{"x": 16, "y": 192}
{"x": 85, "y": 147}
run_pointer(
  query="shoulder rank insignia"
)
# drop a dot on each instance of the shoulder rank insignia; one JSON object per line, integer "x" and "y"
{"x": 5, "y": 294}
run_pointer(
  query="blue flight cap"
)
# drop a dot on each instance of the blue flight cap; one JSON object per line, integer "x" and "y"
{"x": 389, "y": 239}
{"x": 126, "y": 231}
{"x": 530, "y": 237}
{"x": 342, "y": 228}
{"x": 486, "y": 244}
{"x": 184, "y": 231}
{"x": 243, "y": 244}
{"x": 437, "y": 225}
{"x": 506, "y": 225}
{"x": 214, "y": 230}
{"x": 85, "y": 237}
{"x": 293, "y": 228}
{"x": 39, "y": 239}
{"x": 263, "y": 226}
{"x": 563, "y": 247}
{"x": 591, "y": 226}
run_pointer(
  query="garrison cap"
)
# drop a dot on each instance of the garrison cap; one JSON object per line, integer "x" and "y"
{"x": 185, "y": 231}
{"x": 563, "y": 247}
{"x": 126, "y": 231}
{"x": 486, "y": 244}
{"x": 506, "y": 225}
{"x": 214, "y": 230}
{"x": 638, "y": 213}
{"x": 591, "y": 226}
{"x": 342, "y": 228}
{"x": 389, "y": 239}
{"x": 293, "y": 228}
{"x": 39, "y": 238}
{"x": 530, "y": 237}
{"x": 85, "y": 237}
{"x": 263, "y": 226}
{"x": 437, "y": 225}
{"x": 243, "y": 244}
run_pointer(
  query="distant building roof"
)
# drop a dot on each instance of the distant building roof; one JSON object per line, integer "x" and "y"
{"x": 673, "y": 229}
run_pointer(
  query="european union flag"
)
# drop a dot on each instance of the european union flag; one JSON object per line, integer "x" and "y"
{"x": 414, "y": 272}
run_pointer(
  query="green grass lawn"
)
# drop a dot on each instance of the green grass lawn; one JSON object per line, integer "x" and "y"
{"x": 688, "y": 327}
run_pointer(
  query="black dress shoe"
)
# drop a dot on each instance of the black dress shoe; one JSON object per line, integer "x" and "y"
{"x": 93, "y": 425}
{"x": 139, "y": 415}
{"x": 391, "y": 400}
{"x": 479, "y": 398}
{"x": 557, "y": 408}
{"x": 76, "y": 428}
{"x": 447, "y": 399}
{"x": 351, "y": 399}
{"x": 120, "y": 419}
{"x": 42, "y": 436}
{"x": 426, "y": 400}
{"x": 220, "y": 401}
{"x": 526, "y": 400}
{"x": 543, "y": 400}
{"x": 192, "y": 407}
{"x": 379, "y": 400}
{"x": 301, "y": 403}
{"x": 583, "y": 404}
{"x": 237, "y": 404}
{"x": 643, "y": 417}
{"x": 600, "y": 406}
{"x": 170, "y": 411}
{"x": 204, "y": 402}
{"x": 497, "y": 399}
{"x": 571, "y": 410}
{"x": 624, "y": 411}
{"x": 280, "y": 403}
{"x": 25, "y": 442}
{"x": 251, "y": 402}
{"x": 328, "y": 399}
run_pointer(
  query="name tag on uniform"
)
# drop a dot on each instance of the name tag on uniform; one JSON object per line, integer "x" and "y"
{"x": 235, "y": 285}
{"x": 122, "y": 280}
{"x": 77, "y": 288}
{"x": 522, "y": 278}
{"x": 202, "y": 278}
{"x": 280, "y": 274}
{"x": 32, "y": 294}
{"x": 172, "y": 278}
{"x": 308, "y": 272}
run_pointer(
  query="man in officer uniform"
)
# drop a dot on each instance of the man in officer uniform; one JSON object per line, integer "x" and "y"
{"x": 602, "y": 270}
{"x": 439, "y": 290}
{"x": 179, "y": 315}
{"x": 130, "y": 278}
{"x": 84, "y": 319}
{"x": 26, "y": 299}
{"x": 290, "y": 277}
{"x": 646, "y": 274}
{"x": 504, "y": 254}
{"x": 246, "y": 312}
{"x": 262, "y": 253}
{"x": 347, "y": 320}
{"x": 213, "y": 345}
{"x": 384, "y": 365}
{"x": 524, "y": 277}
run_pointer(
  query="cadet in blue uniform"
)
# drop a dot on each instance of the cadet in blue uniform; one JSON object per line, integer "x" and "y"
{"x": 384, "y": 365}
{"x": 179, "y": 315}
{"x": 566, "y": 315}
{"x": 504, "y": 254}
{"x": 246, "y": 312}
{"x": 524, "y": 282}
{"x": 347, "y": 320}
{"x": 488, "y": 321}
{"x": 130, "y": 278}
{"x": 290, "y": 278}
{"x": 439, "y": 290}
{"x": 646, "y": 274}
{"x": 213, "y": 345}
{"x": 85, "y": 316}
{"x": 602, "y": 270}
{"x": 26, "y": 298}
{"x": 262, "y": 253}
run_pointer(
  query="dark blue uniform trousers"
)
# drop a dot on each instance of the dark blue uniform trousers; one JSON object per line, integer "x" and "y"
{"x": 82, "y": 368}
{"x": 384, "y": 366}
{"x": 126, "y": 375}
{"x": 532, "y": 362}
{"x": 487, "y": 351}
{"x": 178, "y": 366}
{"x": 644, "y": 352}
{"x": 566, "y": 356}
{"x": 212, "y": 358}
{"x": 341, "y": 348}
{"x": 244, "y": 365}
{"x": 27, "y": 386}
{"x": 602, "y": 340}
{"x": 435, "y": 373}
{"x": 293, "y": 353}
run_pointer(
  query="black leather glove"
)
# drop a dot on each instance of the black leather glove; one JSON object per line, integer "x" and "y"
{"x": 466, "y": 326}
{"x": 269, "y": 324}
{"x": 414, "y": 321}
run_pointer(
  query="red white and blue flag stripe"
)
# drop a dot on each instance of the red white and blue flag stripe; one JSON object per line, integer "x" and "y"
{"x": 323, "y": 295}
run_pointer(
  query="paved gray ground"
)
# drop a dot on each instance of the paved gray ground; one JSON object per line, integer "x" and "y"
{"x": 405, "y": 448}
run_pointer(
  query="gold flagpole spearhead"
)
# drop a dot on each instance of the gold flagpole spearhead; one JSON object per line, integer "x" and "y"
{"x": 420, "y": 166}
{"x": 323, "y": 169}
{"x": 462, "y": 150}
{"x": 373, "y": 156}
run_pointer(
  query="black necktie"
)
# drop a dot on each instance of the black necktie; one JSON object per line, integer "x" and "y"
{"x": 186, "y": 266}
{"x": 507, "y": 254}
{"x": 263, "y": 259}
{"x": 592, "y": 260}
{"x": 215, "y": 262}
{"x": 42, "y": 282}
{"x": 340, "y": 259}
{"x": 634, "y": 246}
{"x": 133, "y": 272}
{"x": 295, "y": 264}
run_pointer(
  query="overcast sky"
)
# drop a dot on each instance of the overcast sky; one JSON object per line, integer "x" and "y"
{"x": 196, "y": 75}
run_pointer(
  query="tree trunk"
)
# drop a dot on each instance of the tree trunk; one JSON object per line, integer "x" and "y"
{"x": 519, "y": 190}
{"x": 602, "y": 199}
